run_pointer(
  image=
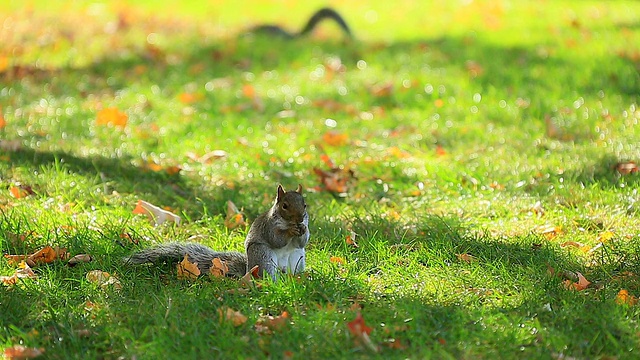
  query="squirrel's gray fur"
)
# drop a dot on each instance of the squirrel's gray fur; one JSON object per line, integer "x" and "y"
{"x": 275, "y": 242}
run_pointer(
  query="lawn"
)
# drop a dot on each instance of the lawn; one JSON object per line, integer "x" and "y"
{"x": 470, "y": 170}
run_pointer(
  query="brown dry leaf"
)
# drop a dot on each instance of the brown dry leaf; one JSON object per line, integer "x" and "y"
{"x": 19, "y": 352}
{"x": 228, "y": 314}
{"x": 79, "y": 259}
{"x": 337, "y": 260}
{"x": 15, "y": 259}
{"x": 155, "y": 213}
{"x": 45, "y": 255}
{"x": 474, "y": 69}
{"x": 208, "y": 157}
{"x": 23, "y": 272}
{"x": 394, "y": 344}
{"x": 623, "y": 297}
{"x": 334, "y": 180}
{"x": 361, "y": 331}
{"x": 269, "y": 324}
{"x": 218, "y": 268}
{"x": 111, "y": 116}
{"x": 10, "y": 145}
{"x": 334, "y": 138}
{"x": 468, "y": 258}
{"x": 582, "y": 283}
{"x": 234, "y": 218}
{"x": 187, "y": 270}
{"x": 247, "y": 280}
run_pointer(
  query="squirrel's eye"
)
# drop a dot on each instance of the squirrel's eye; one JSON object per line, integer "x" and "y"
{"x": 285, "y": 206}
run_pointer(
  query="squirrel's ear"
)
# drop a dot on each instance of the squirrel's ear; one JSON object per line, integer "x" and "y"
{"x": 299, "y": 189}
{"x": 280, "y": 192}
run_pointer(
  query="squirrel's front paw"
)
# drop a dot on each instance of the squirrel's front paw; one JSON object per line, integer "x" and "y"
{"x": 297, "y": 230}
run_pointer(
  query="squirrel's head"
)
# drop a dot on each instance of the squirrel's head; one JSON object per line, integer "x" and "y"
{"x": 291, "y": 205}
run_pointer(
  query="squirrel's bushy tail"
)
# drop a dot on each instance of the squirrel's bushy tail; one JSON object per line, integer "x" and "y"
{"x": 197, "y": 253}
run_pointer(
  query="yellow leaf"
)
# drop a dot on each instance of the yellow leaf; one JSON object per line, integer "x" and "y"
{"x": 337, "y": 260}
{"x": 111, "y": 116}
{"x": 218, "y": 268}
{"x": 605, "y": 236}
{"x": 187, "y": 270}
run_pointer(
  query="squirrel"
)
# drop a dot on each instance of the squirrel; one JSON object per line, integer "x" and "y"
{"x": 275, "y": 243}
{"x": 318, "y": 16}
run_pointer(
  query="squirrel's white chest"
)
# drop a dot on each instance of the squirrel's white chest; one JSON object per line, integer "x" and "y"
{"x": 290, "y": 258}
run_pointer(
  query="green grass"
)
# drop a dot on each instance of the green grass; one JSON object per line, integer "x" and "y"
{"x": 451, "y": 161}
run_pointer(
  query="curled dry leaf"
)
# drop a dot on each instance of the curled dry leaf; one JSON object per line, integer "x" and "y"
{"x": 218, "y": 268}
{"x": 582, "y": 283}
{"x": 208, "y": 157}
{"x": 351, "y": 239}
{"x": 627, "y": 167}
{"x": 155, "y": 213}
{"x": 334, "y": 180}
{"x": 234, "y": 218}
{"x": 247, "y": 280}
{"x": 79, "y": 259}
{"x": 548, "y": 231}
{"x": 22, "y": 352}
{"x": 228, "y": 314}
{"x": 103, "y": 279}
{"x": 23, "y": 272}
{"x": 187, "y": 270}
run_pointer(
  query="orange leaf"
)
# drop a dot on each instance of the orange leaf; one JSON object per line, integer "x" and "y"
{"x": 3, "y": 122}
{"x": 249, "y": 91}
{"x": 439, "y": 103}
{"x": 111, "y": 116}
{"x": 45, "y": 255}
{"x": 549, "y": 231}
{"x": 582, "y": 283}
{"x": 626, "y": 168}
{"x": 15, "y": 259}
{"x": 572, "y": 243}
{"x": 623, "y": 297}
{"x": 187, "y": 270}
{"x": 22, "y": 352}
{"x": 21, "y": 191}
{"x": 334, "y": 138}
{"x": 337, "y": 260}
{"x": 327, "y": 160}
{"x": 351, "y": 239}
{"x": 219, "y": 268}
{"x": 397, "y": 152}
{"x": 357, "y": 326}
{"x": 334, "y": 180}
{"x": 440, "y": 151}
{"x": 189, "y": 98}
{"x": 228, "y": 314}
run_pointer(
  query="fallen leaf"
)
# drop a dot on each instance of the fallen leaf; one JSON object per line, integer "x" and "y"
{"x": 208, "y": 157}
{"x": 398, "y": 153}
{"x": 623, "y": 297}
{"x": 111, "y": 116}
{"x": 234, "y": 218}
{"x": 334, "y": 138}
{"x": 187, "y": 270}
{"x": 334, "y": 180}
{"x": 103, "y": 279}
{"x": 269, "y": 324}
{"x": 466, "y": 257}
{"x": 440, "y": 151}
{"x": 21, "y": 191}
{"x": 538, "y": 209}
{"x": 572, "y": 244}
{"x": 394, "y": 344}
{"x": 3, "y": 122}
{"x": 582, "y": 283}
{"x": 78, "y": 259}
{"x": 23, "y": 272}
{"x": 45, "y": 255}
{"x": 351, "y": 239}
{"x": 548, "y": 231}
{"x": 190, "y": 98}
{"x": 18, "y": 352}
{"x": 155, "y": 213}
{"x": 228, "y": 314}
{"x": 474, "y": 69}
{"x": 382, "y": 89}
{"x": 337, "y": 260}
{"x": 361, "y": 331}
{"x": 10, "y": 145}
{"x": 218, "y": 268}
